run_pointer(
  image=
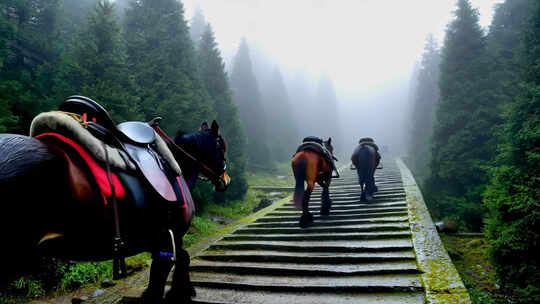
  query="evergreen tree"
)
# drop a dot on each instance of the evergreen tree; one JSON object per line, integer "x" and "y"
{"x": 30, "y": 42}
{"x": 513, "y": 195}
{"x": 216, "y": 82}
{"x": 252, "y": 115}
{"x": 162, "y": 59}
{"x": 281, "y": 118}
{"x": 326, "y": 120}
{"x": 197, "y": 26}
{"x": 101, "y": 66}
{"x": 462, "y": 138}
{"x": 426, "y": 96}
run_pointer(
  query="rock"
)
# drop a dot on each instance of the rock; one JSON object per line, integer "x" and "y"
{"x": 447, "y": 226}
{"x": 79, "y": 299}
{"x": 263, "y": 203}
{"x": 107, "y": 283}
{"x": 474, "y": 243}
{"x": 98, "y": 292}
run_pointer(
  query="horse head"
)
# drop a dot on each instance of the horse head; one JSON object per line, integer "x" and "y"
{"x": 208, "y": 147}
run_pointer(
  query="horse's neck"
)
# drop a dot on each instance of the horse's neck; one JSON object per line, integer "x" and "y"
{"x": 190, "y": 143}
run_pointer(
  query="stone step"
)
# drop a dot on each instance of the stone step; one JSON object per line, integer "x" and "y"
{"x": 351, "y": 207}
{"x": 338, "y": 229}
{"x": 320, "y": 237}
{"x": 327, "y": 222}
{"x": 357, "y": 204}
{"x": 221, "y": 295}
{"x": 330, "y": 246}
{"x": 325, "y": 284}
{"x": 361, "y": 213}
{"x": 292, "y": 216}
{"x": 294, "y": 269}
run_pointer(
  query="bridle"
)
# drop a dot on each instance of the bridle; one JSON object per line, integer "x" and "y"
{"x": 208, "y": 172}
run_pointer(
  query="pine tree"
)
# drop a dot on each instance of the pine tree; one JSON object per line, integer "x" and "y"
{"x": 252, "y": 115}
{"x": 282, "y": 121}
{"x": 426, "y": 96}
{"x": 197, "y": 26}
{"x": 513, "y": 195}
{"x": 100, "y": 60}
{"x": 162, "y": 59}
{"x": 461, "y": 144}
{"x": 216, "y": 82}
{"x": 31, "y": 41}
{"x": 326, "y": 120}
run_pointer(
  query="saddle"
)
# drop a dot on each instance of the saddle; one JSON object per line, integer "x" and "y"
{"x": 136, "y": 140}
{"x": 316, "y": 144}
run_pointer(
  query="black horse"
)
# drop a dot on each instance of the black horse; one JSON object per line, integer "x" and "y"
{"x": 51, "y": 207}
{"x": 366, "y": 159}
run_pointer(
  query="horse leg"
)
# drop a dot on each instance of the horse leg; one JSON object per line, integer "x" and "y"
{"x": 181, "y": 288}
{"x": 326, "y": 203}
{"x": 159, "y": 271}
{"x": 306, "y": 219}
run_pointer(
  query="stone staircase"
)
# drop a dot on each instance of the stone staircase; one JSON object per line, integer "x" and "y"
{"x": 361, "y": 253}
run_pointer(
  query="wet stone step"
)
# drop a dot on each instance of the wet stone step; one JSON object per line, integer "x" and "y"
{"x": 320, "y": 237}
{"x": 359, "y": 213}
{"x": 351, "y": 207}
{"x": 294, "y": 269}
{"x": 339, "y": 229}
{"x": 328, "y": 246}
{"x": 294, "y": 216}
{"x": 207, "y": 295}
{"x": 327, "y": 222}
{"x": 378, "y": 283}
{"x": 370, "y": 205}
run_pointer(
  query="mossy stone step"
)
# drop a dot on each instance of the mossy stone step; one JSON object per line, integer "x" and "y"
{"x": 320, "y": 237}
{"x": 342, "y": 247}
{"x": 338, "y": 229}
{"x": 294, "y": 216}
{"x": 221, "y": 295}
{"x": 294, "y": 269}
{"x": 330, "y": 223}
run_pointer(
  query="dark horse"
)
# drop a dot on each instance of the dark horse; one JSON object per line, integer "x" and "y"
{"x": 366, "y": 159}
{"x": 45, "y": 211}
{"x": 311, "y": 167}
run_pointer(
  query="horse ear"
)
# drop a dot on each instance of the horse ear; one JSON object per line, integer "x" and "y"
{"x": 329, "y": 140}
{"x": 215, "y": 128}
{"x": 204, "y": 126}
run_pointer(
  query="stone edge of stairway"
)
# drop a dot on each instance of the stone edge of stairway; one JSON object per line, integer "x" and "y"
{"x": 440, "y": 278}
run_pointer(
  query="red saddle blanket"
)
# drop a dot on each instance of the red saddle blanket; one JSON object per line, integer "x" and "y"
{"x": 99, "y": 174}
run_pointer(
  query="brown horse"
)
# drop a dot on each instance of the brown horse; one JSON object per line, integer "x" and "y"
{"x": 311, "y": 167}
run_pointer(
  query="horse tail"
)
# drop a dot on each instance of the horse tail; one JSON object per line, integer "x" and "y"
{"x": 364, "y": 162}
{"x": 299, "y": 170}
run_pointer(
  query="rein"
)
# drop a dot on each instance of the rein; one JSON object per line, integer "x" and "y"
{"x": 209, "y": 172}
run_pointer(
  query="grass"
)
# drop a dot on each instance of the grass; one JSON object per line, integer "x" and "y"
{"x": 280, "y": 176}
{"x": 469, "y": 255}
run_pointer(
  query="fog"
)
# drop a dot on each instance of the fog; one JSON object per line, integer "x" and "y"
{"x": 368, "y": 48}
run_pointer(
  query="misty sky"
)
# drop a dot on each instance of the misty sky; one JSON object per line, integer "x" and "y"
{"x": 359, "y": 43}
{"x": 367, "y": 47}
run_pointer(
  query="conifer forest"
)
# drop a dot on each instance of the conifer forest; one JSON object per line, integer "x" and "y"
{"x": 459, "y": 103}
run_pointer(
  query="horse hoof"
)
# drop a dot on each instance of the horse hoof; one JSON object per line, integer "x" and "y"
{"x": 368, "y": 198}
{"x": 325, "y": 212}
{"x": 306, "y": 220}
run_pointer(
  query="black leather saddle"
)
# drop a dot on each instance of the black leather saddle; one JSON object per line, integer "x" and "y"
{"x": 135, "y": 138}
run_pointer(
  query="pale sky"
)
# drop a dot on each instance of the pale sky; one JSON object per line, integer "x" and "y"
{"x": 360, "y": 43}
